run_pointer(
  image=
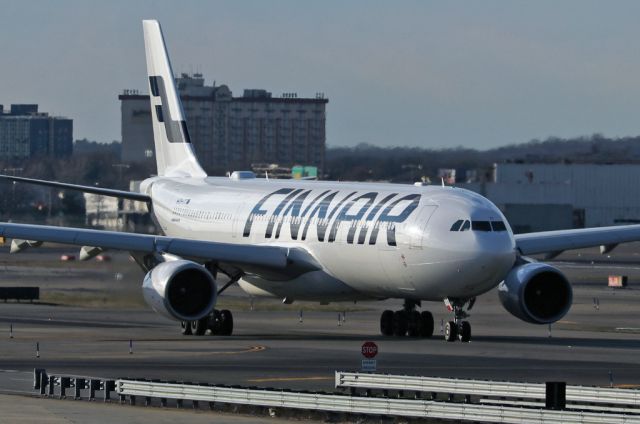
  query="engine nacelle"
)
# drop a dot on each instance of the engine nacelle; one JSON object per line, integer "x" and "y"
{"x": 536, "y": 292}
{"x": 181, "y": 290}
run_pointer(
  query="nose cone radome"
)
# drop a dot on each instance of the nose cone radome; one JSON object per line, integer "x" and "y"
{"x": 483, "y": 269}
{"x": 474, "y": 259}
{"x": 493, "y": 264}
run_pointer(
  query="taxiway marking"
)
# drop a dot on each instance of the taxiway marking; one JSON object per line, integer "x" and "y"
{"x": 150, "y": 352}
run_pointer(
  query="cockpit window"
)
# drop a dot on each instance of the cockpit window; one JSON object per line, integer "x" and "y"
{"x": 480, "y": 226}
{"x": 456, "y": 225}
{"x": 485, "y": 226}
{"x": 498, "y": 226}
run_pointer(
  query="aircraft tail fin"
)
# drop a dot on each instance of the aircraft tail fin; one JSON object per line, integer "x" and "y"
{"x": 174, "y": 153}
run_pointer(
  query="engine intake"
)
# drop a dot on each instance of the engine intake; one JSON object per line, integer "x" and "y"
{"x": 181, "y": 290}
{"x": 537, "y": 293}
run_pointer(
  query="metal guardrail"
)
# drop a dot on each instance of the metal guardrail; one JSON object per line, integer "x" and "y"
{"x": 416, "y": 408}
{"x": 46, "y": 385}
{"x": 538, "y": 404}
{"x": 307, "y": 401}
{"x": 574, "y": 394}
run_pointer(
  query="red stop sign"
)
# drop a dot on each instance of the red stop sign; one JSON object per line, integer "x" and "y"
{"x": 369, "y": 349}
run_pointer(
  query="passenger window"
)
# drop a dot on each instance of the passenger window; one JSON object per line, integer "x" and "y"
{"x": 480, "y": 226}
{"x": 498, "y": 226}
{"x": 456, "y": 225}
{"x": 465, "y": 226}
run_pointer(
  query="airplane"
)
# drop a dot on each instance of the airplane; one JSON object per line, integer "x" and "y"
{"x": 323, "y": 241}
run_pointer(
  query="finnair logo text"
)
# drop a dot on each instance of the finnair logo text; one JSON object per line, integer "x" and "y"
{"x": 365, "y": 214}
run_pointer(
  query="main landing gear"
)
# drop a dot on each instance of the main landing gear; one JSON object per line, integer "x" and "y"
{"x": 407, "y": 321}
{"x": 219, "y": 323}
{"x": 458, "y": 328}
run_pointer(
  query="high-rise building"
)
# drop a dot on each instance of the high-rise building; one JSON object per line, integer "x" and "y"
{"x": 26, "y": 133}
{"x": 230, "y": 133}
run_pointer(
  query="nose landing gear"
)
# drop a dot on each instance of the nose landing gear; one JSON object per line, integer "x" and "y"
{"x": 407, "y": 321}
{"x": 458, "y": 328}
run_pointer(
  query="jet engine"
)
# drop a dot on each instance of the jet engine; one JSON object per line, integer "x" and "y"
{"x": 536, "y": 292}
{"x": 181, "y": 290}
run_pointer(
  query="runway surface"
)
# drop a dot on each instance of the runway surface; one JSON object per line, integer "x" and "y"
{"x": 272, "y": 348}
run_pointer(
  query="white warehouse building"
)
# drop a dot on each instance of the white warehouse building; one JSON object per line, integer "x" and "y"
{"x": 538, "y": 197}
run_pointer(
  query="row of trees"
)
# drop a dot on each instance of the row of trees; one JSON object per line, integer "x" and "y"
{"x": 92, "y": 164}
{"x": 407, "y": 164}
{"x": 99, "y": 164}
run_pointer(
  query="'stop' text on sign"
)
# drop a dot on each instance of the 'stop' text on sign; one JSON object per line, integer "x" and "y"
{"x": 369, "y": 349}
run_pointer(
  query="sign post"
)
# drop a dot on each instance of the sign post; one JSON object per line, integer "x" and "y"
{"x": 369, "y": 351}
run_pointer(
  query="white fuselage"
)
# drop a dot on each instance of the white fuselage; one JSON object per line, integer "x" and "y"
{"x": 372, "y": 240}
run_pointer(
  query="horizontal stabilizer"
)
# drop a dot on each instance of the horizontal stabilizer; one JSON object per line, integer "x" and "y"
{"x": 87, "y": 189}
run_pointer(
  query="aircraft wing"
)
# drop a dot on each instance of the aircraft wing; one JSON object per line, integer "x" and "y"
{"x": 87, "y": 189}
{"x": 557, "y": 241}
{"x": 271, "y": 261}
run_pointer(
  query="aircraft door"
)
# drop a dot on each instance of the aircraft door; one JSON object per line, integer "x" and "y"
{"x": 418, "y": 228}
{"x": 395, "y": 259}
{"x": 394, "y": 265}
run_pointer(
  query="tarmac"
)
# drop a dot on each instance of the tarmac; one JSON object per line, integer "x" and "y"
{"x": 89, "y": 314}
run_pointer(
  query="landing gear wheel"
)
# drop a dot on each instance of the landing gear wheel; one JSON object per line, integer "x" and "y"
{"x": 214, "y": 322}
{"x": 386, "y": 323}
{"x": 400, "y": 323}
{"x": 413, "y": 325}
{"x": 185, "y": 328}
{"x": 458, "y": 328}
{"x": 425, "y": 329}
{"x": 226, "y": 323}
{"x": 200, "y": 326}
{"x": 464, "y": 331}
{"x": 450, "y": 331}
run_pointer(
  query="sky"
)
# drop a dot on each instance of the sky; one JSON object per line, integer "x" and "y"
{"x": 477, "y": 74}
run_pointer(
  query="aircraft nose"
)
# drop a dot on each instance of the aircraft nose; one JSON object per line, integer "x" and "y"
{"x": 496, "y": 258}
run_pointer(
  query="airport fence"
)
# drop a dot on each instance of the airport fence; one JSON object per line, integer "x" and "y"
{"x": 278, "y": 399}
